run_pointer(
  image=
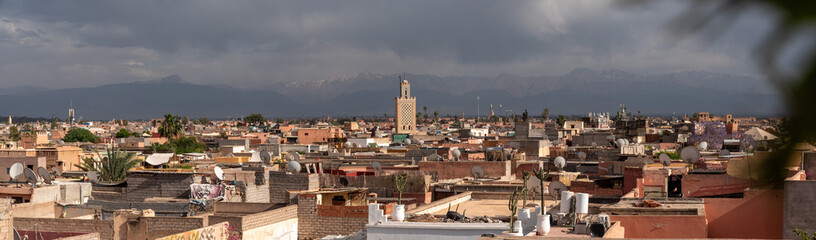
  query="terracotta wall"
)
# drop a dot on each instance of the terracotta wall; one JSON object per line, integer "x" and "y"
{"x": 662, "y": 226}
{"x": 451, "y": 170}
{"x": 757, "y": 215}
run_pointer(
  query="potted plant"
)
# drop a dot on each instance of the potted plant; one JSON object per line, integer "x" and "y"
{"x": 543, "y": 220}
{"x": 512, "y": 205}
{"x": 524, "y": 215}
{"x": 399, "y": 209}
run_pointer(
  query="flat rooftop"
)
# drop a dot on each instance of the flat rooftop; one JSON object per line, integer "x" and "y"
{"x": 668, "y": 206}
{"x": 488, "y": 207}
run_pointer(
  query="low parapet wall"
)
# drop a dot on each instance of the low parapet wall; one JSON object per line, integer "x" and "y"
{"x": 441, "y": 204}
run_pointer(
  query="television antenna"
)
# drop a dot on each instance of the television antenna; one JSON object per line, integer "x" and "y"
{"x": 559, "y": 163}
{"x": 16, "y": 171}
{"x": 44, "y": 174}
{"x": 377, "y": 166}
{"x": 477, "y": 172}
{"x": 219, "y": 173}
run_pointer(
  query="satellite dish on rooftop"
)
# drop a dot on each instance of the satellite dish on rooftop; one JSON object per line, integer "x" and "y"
{"x": 16, "y": 171}
{"x": 266, "y": 157}
{"x": 724, "y": 153}
{"x": 703, "y": 145}
{"x": 620, "y": 142}
{"x": 290, "y": 157}
{"x": 30, "y": 176}
{"x": 219, "y": 172}
{"x": 407, "y": 141}
{"x": 93, "y": 177}
{"x": 56, "y": 171}
{"x": 296, "y": 156}
{"x": 626, "y": 141}
{"x": 456, "y": 154}
{"x": 477, "y": 172}
{"x": 690, "y": 154}
{"x": 555, "y": 188}
{"x": 376, "y": 165}
{"x": 664, "y": 159}
{"x": 420, "y": 142}
{"x": 344, "y": 181}
{"x": 582, "y": 155}
{"x": 293, "y": 167}
{"x": 348, "y": 144}
{"x": 560, "y": 162}
{"x": 44, "y": 174}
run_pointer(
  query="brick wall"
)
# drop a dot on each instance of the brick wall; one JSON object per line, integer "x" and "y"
{"x": 280, "y": 182}
{"x": 269, "y": 217}
{"x": 314, "y": 226}
{"x": 173, "y": 224}
{"x": 87, "y": 236}
{"x": 218, "y": 231}
{"x": 451, "y": 170}
{"x": 103, "y": 227}
{"x": 383, "y": 185}
{"x": 5, "y": 218}
{"x": 142, "y": 185}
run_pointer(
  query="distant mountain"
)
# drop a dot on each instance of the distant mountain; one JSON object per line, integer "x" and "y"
{"x": 21, "y": 90}
{"x": 578, "y": 92}
{"x": 148, "y": 99}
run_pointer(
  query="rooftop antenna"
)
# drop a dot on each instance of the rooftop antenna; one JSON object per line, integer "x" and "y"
{"x": 477, "y": 172}
{"x": 219, "y": 173}
{"x": 16, "y": 171}
{"x": 377, "y": 166}
{"x": 30, "y": 176}
{"x": 293, "y": 167}
{"x": 456, "y": 153}
{"x": 559, "y": 163}
{"x": 44, "y": 174}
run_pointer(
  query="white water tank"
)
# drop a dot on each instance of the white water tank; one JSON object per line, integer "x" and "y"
{"x": 566, "y": 201}
{"x": 582, "y": 203}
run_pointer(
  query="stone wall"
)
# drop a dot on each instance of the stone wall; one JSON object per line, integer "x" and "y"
{"x": 219, "y": 231}
{"x": 162, "y": 226}
{"x": 451, "y": 170}
{"x": 103, "y": 227}
{"x": 345, "y": 220}
{"x": 798, "y": 209}
{"x": 5, "y": 219}
{"x": 144, "y": 184}
{"x": 280, "y": 182}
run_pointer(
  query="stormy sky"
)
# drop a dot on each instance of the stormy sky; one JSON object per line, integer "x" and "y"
{"x": 247, "y": 43}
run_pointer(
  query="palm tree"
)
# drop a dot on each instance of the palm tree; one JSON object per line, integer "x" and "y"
{"x": 171, "y": 126}
{"x": 113, "y": 167}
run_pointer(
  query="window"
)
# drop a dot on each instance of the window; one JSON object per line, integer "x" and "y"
{"x": 305, "y": 134}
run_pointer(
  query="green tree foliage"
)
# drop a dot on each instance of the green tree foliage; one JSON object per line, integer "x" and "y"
{"x": 113, "y": 166}
{"x": 124, "y": 133}
{"x": 180, "y": 145}
{"x": 14, "y": 133}
{"x": 561, "y": 120}
{"x": 672, "y": 155}
{"x": 525, "y": 116}
{"x": 545, "y": 114}
{"x": 255, "y": 119}
{"x": 202, "y": 121}
{"x": 79, "y": 135}
{"x": 171, "y": 127}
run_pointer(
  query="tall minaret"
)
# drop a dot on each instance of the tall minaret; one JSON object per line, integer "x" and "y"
{"x": 405, "y": 107}
{"x": 10, "y": 120}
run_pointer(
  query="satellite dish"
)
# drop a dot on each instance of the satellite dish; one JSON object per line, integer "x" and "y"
{"x": 44, "y": 174}
{"x": 293, "y": 167}
{"x": 93, "y": 177}
{"x": 456, "y": 153}
{"x": 376, "y": 165}
{"x": 664, "y": 159}
{"x": 481, "y": 148}
{"x": 348, "y": 144}
{"x": 620, "y": 142}
{"x": 30, "y": 176}
{"x": 219, "y": 172}
{"x": 421, "y": 142}
{"x": 690, "y": 154}
{"x": 256, "y": 157}
{"x": 477, "y": 172}
{"x": 555, "y": 188}
{"x": 703, "y": 145}
{"x": 290, "y": 157}
{"x": 725, "y": 152}
{"x": 560, "y": 162}
{"x": 296, "y": 156}
{"x": 266, "y": 157}
{"x": 57, "y": 172}
{"x": 626, "y": 141}
{"x": 407, "y": 141}
{"x": 16, "y": 171}
{"x": 582, "y": 156}
{"x": 344, "y": 181}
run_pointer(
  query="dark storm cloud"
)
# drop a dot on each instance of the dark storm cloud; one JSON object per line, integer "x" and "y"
{"x": 254, "y": 42}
